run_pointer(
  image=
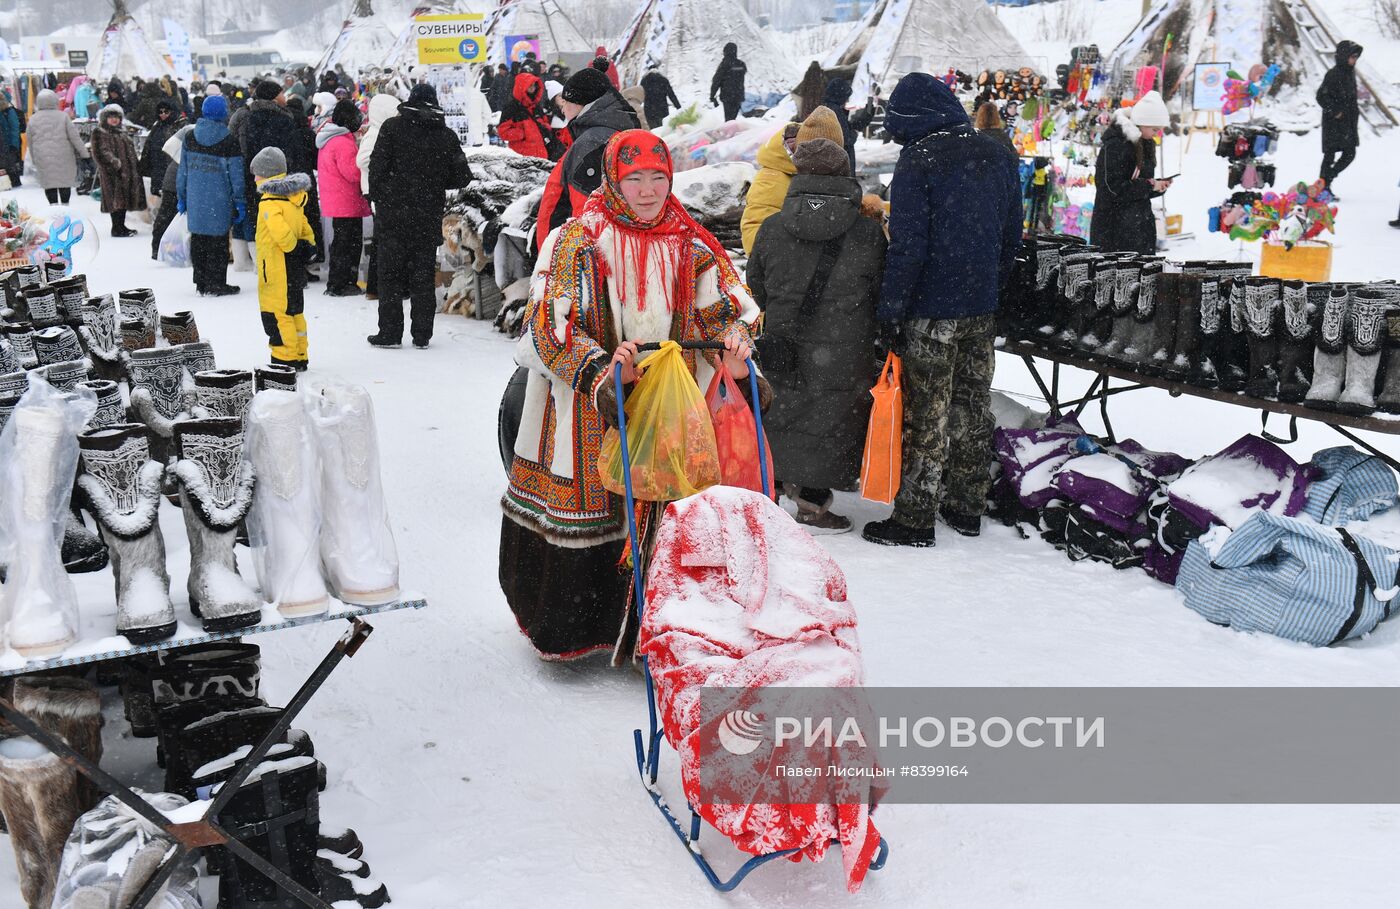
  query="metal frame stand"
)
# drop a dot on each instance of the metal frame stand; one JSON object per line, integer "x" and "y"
{"x": 1100, "y": 390}
{"x": 192, "y": 836}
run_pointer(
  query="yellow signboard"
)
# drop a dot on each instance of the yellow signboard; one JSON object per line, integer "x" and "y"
{"x": 450, "y": 38}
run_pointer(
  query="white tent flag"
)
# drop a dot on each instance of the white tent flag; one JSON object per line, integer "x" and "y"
{"x": 177, "y": 40}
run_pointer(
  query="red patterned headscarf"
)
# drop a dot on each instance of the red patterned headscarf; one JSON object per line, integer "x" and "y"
{"x": 635, "y": 243}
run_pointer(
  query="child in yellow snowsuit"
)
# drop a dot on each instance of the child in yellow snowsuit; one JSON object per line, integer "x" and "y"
{"x": 284, "y": 239}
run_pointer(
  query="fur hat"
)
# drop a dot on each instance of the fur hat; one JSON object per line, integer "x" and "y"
{"x": 422, "y": 93}
{"x": 586, "y": 86}
{"x": 269, "y": 162}
{"x": 822, "y": 157}
{"x": 213, "y": 90}
{"x": 1151, "y": 111}
{"x": 821, "y": 124}
{"x": 214, "y": 108}
{"x": 346, "y": 114}
{"x": 267, "y": 90}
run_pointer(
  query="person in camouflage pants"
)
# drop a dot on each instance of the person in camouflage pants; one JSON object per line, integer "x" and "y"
{"x": 955, "y": 228}
{"x": 948, "y": 365}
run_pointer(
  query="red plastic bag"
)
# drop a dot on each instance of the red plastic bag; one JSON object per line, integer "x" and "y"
{"x": 736, "y": 434}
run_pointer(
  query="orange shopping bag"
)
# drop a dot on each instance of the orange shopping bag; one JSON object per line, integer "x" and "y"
{"x": 884, "y": 438}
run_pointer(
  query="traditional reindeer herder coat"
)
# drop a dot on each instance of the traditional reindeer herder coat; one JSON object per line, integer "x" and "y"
{"x": 602, "y": 278}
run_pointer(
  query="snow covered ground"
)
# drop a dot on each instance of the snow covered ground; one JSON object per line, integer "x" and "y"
{"x": 479, "y": 776}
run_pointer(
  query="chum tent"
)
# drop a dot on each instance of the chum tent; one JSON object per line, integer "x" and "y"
{"x": 685, "y": 39}
{"x": 544, "y": 20}
{"x": 1295, "y": 34}
{"x": 125, "y": 52}
{"x": 364, "y": 40}
{"x": 896, "y": 37}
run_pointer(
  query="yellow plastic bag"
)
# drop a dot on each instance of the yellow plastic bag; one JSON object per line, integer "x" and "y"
{"x": 669, "y": 435}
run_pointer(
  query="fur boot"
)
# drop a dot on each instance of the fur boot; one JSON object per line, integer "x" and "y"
{"x": 1366, "y": 323}
{"x": 39, "y": 798}
{"x": 179, "y": 328}
{"x": 1300, "y": 316}
{"x": 21, "y": 338}
{"x": 285, "y": 521}
{"x": 121, "y": 488}
{"x": 224, "y": 392}
{"x": 282, "y": 378}
{"x": 357, "y": 546}
{"x": 1330, "y": 357}
{"x": 1262, "y": 303}
{"x": 57, "y": 344}
{"x": 216, "y": 490}
{"x": 71, "y": 708}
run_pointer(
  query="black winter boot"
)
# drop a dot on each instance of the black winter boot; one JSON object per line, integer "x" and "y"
{"x": 1260, "y": 310}
{"x": 1295, "y": 339}
{"x": 1234, "y": 335}
{"x": 1127, "y": 285}
{"x": 1389, "y": 399}
{"x": 276, "y": 813}
{"x": 1076, "y": 299}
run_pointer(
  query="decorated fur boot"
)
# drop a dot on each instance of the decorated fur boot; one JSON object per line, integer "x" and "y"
{"x": 121, "y": 488}
{"x": 158, "y": 394}
{"x": 1262, "y": 303}
{"x": 224, "y": 392}
{"x": 1295, "y": 338}
{"x": 1330, "y": 357}
{"x": 71, "y": 708}
{"x": 1366, "y": 321}
{"x": 216, "y": 491}
{"x": 179, "y": 328}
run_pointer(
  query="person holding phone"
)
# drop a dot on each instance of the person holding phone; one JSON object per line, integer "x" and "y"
{"x": 1123, "y": 219}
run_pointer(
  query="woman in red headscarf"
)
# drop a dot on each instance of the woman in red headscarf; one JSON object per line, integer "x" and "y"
{"x": 633, "y": 268}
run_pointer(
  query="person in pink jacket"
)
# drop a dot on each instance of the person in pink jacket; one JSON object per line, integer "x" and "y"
{"x": 341, "y": 198}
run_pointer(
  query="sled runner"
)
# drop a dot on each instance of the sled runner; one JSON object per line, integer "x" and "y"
{"x": 648, "y": 744}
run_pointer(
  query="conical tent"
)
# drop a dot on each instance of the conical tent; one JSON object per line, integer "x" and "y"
{"x": 686, "y": 38}
{"x": 897, "y": 37}
{"x": 364, "y": 40}
{"x": 546, "y": 20}
{"x": 1295, "y": 34}
{"x": 403, "y": 53}
{"x": 125, "y": 52}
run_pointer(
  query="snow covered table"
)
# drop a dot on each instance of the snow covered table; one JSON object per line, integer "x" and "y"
{"x": 201, "y": 830}
{"x": 1100, "y": 390}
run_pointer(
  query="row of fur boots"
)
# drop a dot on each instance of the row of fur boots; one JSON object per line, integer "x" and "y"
{"x": 1212, "y": 324}
{"x": 320, "y": 522}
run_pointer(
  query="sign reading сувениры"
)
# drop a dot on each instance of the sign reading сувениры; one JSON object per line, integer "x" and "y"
{"x": 450, "y": 39}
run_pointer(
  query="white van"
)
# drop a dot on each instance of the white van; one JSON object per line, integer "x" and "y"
{"x": 239, "y": 63}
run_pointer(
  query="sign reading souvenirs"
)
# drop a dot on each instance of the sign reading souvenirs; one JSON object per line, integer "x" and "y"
{"x": 449, "y": 39}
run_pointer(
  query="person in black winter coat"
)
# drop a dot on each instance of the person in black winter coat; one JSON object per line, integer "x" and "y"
{"x": 169, "y": 120}
{"x": 955, "y": 230}
{"x": 416, "y": 160}
{"x": 595, "y": 111}
{"x": 815, "y": 272}
{"x": 267, "y": 125}
{"x": 836, "y": 97}
{"x": 659, "y": 98}
{"x": 501, "y": 87}
{"x": 306, "y": 157}
{"x": 1341, "y": 114}
{"x": 728, "y": 81}
{"x": 1124, "y": 179}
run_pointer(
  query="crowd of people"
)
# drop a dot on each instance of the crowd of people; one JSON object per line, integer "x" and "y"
{"x": 627, "y": 265}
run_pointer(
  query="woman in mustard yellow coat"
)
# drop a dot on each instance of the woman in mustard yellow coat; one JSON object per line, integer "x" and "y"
{"x": 284, "y": 242}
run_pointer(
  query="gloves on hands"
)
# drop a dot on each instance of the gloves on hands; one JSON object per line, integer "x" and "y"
{"x": 886, "y": 340}
{"x": 180, "y": 206}
{"x": 240, "y": 212}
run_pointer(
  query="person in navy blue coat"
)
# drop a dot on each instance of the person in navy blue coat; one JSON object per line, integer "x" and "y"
{"x": 955, "y": 228}
{"x": 209, "y": 187}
